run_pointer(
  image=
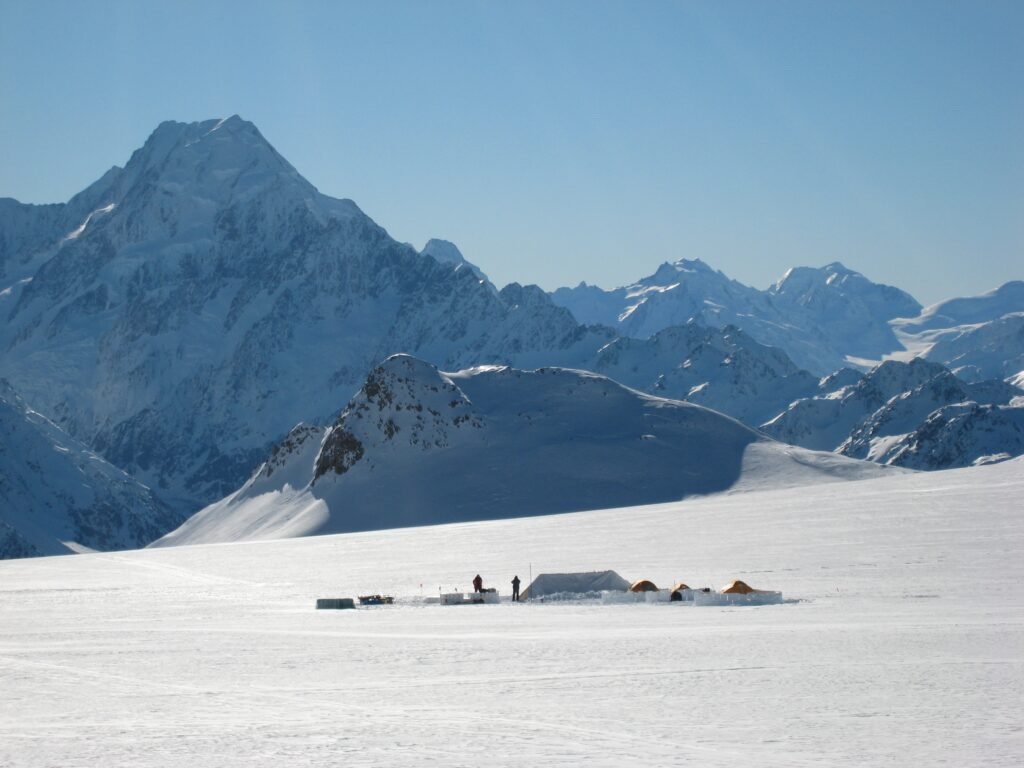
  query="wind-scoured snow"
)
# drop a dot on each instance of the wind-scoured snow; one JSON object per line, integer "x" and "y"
{"x": 418, "y": 446}
{"x": 899, "y": 643}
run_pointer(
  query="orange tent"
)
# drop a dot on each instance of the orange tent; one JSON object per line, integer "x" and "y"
{"x": 738, "y": 588}
{"x": 643, "y": 585}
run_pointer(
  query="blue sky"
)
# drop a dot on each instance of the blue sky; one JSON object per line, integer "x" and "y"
{"x": 563, "y": 141}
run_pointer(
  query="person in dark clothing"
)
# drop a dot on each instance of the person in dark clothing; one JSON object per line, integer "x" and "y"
{"x": 478, "y": 584}
{"x": 515, "y": 589}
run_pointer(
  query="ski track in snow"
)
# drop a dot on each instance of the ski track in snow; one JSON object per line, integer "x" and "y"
{"x": 899, "y": 644}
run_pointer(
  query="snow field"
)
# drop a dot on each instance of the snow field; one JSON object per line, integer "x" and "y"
{"x": 904, "y": 648}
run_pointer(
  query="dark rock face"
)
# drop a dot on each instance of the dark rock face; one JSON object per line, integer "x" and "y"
{"x": 961, "y": 435}
{"x": 340, "y": 451}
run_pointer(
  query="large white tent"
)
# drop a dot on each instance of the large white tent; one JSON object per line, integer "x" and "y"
{"x": 592, "y": 581}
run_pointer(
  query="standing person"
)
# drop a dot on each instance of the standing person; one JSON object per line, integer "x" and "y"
{"x": 478, "y": 584}
{"x": 515, "y": 589}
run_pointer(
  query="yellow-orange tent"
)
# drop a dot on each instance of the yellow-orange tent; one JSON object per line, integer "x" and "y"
{"x": 643, "y": 585}
{"x": 738, "y": 588}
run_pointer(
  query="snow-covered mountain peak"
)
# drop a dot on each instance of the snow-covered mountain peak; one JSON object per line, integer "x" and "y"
{"x": 215, "y": 158}
{"x": 802, "y": 278}
{"x": 405, "y": 404}
{"x": 670, "y": 273}
{"x": 890, "y": 378}
{"x": 445, "y": 252}
{"x": 523, "y": 296}
{"x": 666, "y": 275}
{"x": 811, "y": 286}
{"x": 823, "y": 317}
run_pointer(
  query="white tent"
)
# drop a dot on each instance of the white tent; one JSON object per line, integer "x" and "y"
{"x": 576, "y": 583}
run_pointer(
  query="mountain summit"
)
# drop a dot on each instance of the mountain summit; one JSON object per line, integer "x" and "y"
{"x": 184, "y": 312}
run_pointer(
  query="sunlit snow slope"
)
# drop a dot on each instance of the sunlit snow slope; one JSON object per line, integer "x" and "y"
{"x": 903, "y": 647}
{"x": 418, "y": 446}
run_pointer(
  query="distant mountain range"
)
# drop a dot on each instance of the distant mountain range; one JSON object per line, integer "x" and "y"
{"x": 182, "y": 314}
{"x": 823, "y": 319}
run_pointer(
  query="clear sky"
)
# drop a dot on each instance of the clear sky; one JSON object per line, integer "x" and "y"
{"x": 563, "y": 141}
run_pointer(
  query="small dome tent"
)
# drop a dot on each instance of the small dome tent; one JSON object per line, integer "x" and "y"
{"x": 677, "y": 591}
{"x": 643, "y": 585}
{"x": 738, "y": 588}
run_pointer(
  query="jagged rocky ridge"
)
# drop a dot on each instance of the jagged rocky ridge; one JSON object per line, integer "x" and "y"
{"x": 58, "y": 497}
{"x": 890, "y": 416}
{"x": 419, "y": 446}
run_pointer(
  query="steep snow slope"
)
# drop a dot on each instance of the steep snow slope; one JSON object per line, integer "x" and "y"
{"x": 57, "y": 497}
{"x": 820, "y": 317}
{"x": 417, "y": 446}
{"x": 900, "y": 645}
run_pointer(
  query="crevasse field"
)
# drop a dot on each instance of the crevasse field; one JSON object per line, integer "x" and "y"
{"x": 902, "y": 641}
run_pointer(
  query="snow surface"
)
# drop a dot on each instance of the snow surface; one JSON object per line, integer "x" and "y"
{"x": 899, "y": 644}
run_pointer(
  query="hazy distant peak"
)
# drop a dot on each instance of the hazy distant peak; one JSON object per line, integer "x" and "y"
{"x": 446, "y": 252}
{"x": 443, "y": 250}
{"x": 672, "y": 272}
